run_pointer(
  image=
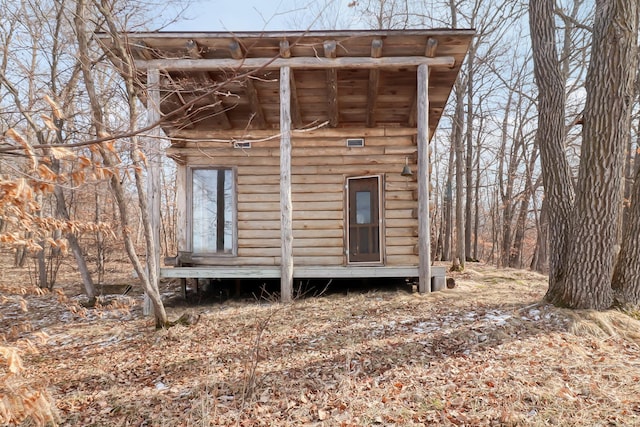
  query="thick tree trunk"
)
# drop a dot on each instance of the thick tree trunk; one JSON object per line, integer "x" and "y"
{"x": 607, "y": 123}
{"x": 550, "y": 139}
{"x": 626, "y": 275}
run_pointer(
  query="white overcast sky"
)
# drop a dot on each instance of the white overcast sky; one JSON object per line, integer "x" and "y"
{"x": 258, "y": 15}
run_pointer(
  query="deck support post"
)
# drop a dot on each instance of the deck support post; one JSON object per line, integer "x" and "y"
{"x": 286, "y": 206}
{"x": 154, "y": 161}
{"x": 424, "y": 229}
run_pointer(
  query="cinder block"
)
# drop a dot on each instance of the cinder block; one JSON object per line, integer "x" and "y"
{"x": 438, "y": 283}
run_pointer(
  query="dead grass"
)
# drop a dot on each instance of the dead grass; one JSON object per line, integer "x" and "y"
{"x": 485, "y": 353}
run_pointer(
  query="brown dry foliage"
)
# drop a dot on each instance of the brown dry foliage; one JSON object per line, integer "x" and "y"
{"x": 488, "y": 352}
{"x": 21, "y": 399}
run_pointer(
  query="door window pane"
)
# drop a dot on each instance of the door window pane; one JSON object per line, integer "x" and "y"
{"x": 212, "y": 211}
{"x": 363, "y": 207}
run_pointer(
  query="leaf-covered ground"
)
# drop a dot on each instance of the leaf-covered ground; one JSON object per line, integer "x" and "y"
{"x": 485, "y": 353}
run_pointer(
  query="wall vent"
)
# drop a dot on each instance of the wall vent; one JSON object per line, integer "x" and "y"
{"x": 355, "y": 142}
{"x": 244, "y": 144}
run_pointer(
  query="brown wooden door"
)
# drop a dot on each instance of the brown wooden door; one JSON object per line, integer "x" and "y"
{"x": 364, "y": 219}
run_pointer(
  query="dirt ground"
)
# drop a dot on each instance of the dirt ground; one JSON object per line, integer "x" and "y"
{"x": 487, "y": 352}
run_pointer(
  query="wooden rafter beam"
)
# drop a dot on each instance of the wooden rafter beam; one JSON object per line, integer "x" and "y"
{"x": 432, "y": 46}
{"x": 429, "y": 52}
{"x": 311, "y": 63}
{"x": 374, "y": 80}
{"x": 236, "y": 50}
{"x": 285, "y": 49}
{"x": 332, "y": 84}
{"x": 257, "y": 120}
{"x": 193, "y": 49}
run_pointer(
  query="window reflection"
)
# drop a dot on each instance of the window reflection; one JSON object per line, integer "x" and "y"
{"x": 363, "y": 207}
{"x": 212, "y": 211}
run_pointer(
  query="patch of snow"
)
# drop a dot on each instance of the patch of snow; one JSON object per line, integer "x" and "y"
{"x": 425, "y": 328}
{"x": 497, "y": 318}
{"x": 534, "y": 314}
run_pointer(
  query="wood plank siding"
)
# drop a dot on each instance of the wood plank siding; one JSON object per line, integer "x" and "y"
{"x": 320, "y": 168}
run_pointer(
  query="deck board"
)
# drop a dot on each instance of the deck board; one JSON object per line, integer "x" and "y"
{"x": 302, "y": 272}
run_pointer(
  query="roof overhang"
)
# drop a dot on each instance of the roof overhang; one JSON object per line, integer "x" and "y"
{"x": 219, "y": 82}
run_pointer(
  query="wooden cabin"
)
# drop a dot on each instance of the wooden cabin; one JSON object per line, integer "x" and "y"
{"x": 300, "y": 154}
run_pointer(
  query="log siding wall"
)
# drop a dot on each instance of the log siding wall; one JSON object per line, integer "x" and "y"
{"x": 320, "y": 166}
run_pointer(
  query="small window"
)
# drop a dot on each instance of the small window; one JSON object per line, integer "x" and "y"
{"x": 355, "y": 142}
{"x": 243, "y": 144}
{"x": 212, "y": 211}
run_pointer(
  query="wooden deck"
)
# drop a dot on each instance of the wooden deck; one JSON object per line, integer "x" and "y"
{"x": 302, "y": 272}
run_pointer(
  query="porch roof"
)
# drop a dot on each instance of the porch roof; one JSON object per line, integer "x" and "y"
{"x": 214, "y": 83}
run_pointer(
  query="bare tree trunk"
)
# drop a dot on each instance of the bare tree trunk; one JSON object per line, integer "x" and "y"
{"x": 541, "y": 254}
{"x": 41, "y": 261}
{"x": 100, "y": 242}
{"x": 111, "y": 162}
{"x": 87, "y": 281}
{"x": 447, "y": 208}
{"x": 550, "y": 139}
{"x": 628, "y": 180}
{"x": 469, "y": 155}
{"x": 607, "y": 123}
{"x": 515, "y": 256}
{"x": 626, "y": 276}
{"x": 476, "y": 210}
{"x": 505, "y": 184}
{"x": 459, "y": 256}
{"x": 63, "y": 212}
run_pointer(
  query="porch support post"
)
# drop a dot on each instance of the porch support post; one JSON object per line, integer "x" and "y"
{"x": 286, "y": 206}
{"x": 153, "y": 182}
{"x": 424, "y": 229}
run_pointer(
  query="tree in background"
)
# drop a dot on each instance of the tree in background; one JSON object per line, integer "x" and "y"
{"x": 52, "y": 75}
{"x": 67, "y": 131}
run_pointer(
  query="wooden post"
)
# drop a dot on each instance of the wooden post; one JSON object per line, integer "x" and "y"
{"x": 153, "y": 182}
{"x": 286, "y": 207}
{"x": 424, "y": 229}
